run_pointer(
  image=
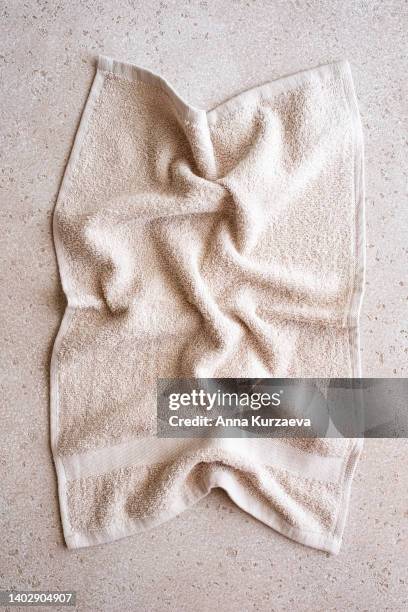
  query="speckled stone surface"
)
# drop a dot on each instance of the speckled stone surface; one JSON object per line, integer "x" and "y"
{"x": 214, "y": 555}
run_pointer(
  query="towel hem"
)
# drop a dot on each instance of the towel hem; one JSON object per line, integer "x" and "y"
{"x": 119, "y": 530}
{"x": 133, "y": 72}
{"x": 69, "y": 312}
{"x": 328, "y": 542}
{"x": 357, "y": 292}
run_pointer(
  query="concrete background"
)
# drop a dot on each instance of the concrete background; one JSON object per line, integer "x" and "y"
{"x": 213, "y": 555}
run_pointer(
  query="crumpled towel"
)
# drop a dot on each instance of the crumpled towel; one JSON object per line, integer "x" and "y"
{"x": 193, "y": 243}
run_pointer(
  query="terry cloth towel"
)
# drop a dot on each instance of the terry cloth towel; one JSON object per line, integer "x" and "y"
{"x": 194, "y": 243}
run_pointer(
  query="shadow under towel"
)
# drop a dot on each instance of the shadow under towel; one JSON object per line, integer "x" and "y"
{"x": 193, "y": 243}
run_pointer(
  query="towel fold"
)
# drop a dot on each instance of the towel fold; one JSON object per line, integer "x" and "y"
{"x": 193, "y": 243}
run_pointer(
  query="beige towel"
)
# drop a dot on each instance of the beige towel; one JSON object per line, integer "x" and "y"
{"x": 193, "y": 243}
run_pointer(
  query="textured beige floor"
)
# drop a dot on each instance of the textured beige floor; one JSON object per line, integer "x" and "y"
{"x": 213, "y": 555}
